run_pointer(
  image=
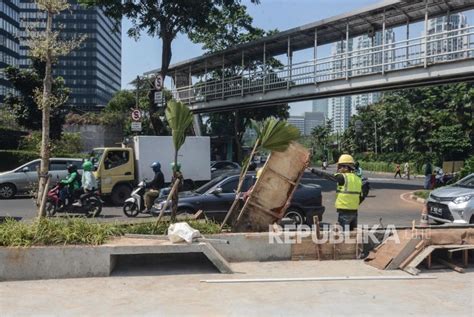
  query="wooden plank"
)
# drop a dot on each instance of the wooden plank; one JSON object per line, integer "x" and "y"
{"x": 407, "y": 250}
{"x": 411, "y": 267}
{"x": 450, "y": 265}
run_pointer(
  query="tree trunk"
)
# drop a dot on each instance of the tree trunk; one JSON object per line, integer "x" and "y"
{"x": 237, "y": 137}
{"x": 155, "y": 112}
{"x": 174, "y": 198}
{"x": 46, "y": 112}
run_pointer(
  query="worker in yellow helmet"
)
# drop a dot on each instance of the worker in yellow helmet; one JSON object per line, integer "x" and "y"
{"x": 348, "y": 193}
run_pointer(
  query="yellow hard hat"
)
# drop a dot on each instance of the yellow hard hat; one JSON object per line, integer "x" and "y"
{"x": 259, "y": 172}
{"x": 346, "y": 159}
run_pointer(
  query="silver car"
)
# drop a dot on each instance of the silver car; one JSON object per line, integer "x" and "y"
{"x": 24, "y": 179}
{"x": 453, "y": 204}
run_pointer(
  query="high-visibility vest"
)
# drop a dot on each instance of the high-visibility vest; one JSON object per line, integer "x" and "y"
{"x": 348, "y": 195}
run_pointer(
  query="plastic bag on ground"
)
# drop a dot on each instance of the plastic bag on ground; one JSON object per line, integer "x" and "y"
{"x": 181, "y": 231}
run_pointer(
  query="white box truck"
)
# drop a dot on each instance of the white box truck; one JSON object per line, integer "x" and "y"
{"x": 119, "y": 169}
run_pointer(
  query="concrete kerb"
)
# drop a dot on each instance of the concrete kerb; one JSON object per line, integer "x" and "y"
{"x": 40, "y": 262}
{"x": 418, "y": 199}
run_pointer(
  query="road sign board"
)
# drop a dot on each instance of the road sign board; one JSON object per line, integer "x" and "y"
{"x": 158, "y": 97}
{"x": 136, "y": 115}
{"x": 136, "y": 126}
{"x": 158, "y": 82}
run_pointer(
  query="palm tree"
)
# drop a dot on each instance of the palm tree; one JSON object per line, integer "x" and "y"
{"x": 272, "y": 135}
{"x": 179, "y": 119}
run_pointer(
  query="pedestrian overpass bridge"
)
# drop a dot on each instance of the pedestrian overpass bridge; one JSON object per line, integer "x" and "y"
{"x": 430, "y": 58}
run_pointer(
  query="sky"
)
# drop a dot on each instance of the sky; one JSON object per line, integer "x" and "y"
{"x": 145, "y": 54}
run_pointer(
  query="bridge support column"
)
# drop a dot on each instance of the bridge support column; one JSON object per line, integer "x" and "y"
{"x": 290, "y": 62}
{"x": 425, "y": 63}
{"x": 383, "y": 43}
{"x": 347, "y": 51}
{"x": 205, "y": 80}
{"x": 407, "y": 52}
{"x": 264, "y": 66}
{"x": 223, "y": 76}
{"x": 315, "y": 56}
{"x": 243, "y": 72}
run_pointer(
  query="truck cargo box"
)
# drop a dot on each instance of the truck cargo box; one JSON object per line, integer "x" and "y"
{"x": 194, "y": 156}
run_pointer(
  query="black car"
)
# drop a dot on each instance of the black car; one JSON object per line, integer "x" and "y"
{"x": 219, "y": 168}
{"x": 216, "y": 197}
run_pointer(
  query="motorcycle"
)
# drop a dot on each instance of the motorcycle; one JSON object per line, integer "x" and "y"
{"x": 91, "y": 204}
{"x": 135, "y": 204}
{"x": 365, "y": 186}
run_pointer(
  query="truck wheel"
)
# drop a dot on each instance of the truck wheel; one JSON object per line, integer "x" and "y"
{"x": 119, "y": 194}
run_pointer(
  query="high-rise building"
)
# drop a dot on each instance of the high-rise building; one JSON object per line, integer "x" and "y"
{"x": 297, "y": 121}
{"x": 439, "y": 45}
{"x": 312, "y": 120}
{"x": 340, "y": 109}
{"x": 93, "y": 71}
{"x": 321, "y": 105}
{"x": 9, "y": 43}
{"x": 340, "y": 112}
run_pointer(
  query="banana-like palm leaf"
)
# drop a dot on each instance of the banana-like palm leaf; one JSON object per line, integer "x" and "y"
{"x": 276, "y": 135}
{"x": 179, "y": 118}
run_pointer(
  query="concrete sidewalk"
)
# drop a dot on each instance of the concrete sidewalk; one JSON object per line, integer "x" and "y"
{"x": 154, "y": 293}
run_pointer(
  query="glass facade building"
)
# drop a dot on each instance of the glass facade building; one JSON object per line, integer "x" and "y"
{"x": 9, "y": 42}
{"x": 93, "y": 71}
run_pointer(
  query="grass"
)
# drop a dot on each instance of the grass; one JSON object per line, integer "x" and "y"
{"x": 422, "y": 193}
{"x": 78, "y": 231}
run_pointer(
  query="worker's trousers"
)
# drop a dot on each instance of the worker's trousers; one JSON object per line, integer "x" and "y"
{"x": 347, "y": 219}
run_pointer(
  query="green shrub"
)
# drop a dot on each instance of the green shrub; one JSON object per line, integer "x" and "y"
{"x": 468, "y": 167}
{"x": 49, "y": 231}
{"x": 10, "y": 159}
{"x": 10, "y": 138}
{"x": 68, "y": 144}
{"x": 422, "y": 193}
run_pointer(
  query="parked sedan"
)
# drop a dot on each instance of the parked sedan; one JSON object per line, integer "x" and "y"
{"x": 23, "y": 179}
{"x": 219, "y": 168}
{"x": 453, "y": 204}
{"x": 215, "y": 199}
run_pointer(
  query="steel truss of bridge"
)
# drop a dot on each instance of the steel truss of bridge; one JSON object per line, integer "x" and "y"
{"x": 435, "y": 58}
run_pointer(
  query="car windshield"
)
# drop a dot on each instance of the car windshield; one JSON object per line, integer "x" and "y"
{"x": 96, "y": 156}
{"x": 204, "y": 188}
{"x": 467, "y": 182}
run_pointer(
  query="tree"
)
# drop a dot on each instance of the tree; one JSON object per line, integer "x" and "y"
{"x": 46, "y": 46}
{"x": 228, "y": 27}
{"x": 179, "y": 119}
{"x": 24, "y": 106}
{"x": 411, "y": 124}
{"x": 320, "y": 136}
{"x": 165, "y": 19}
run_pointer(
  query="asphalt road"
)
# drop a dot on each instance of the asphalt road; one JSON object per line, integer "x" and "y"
{"x": 387, "y": 202}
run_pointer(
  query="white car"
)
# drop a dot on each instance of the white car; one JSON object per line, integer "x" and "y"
{"x": 23, "y": 179}
{"x": 454, "y": 203}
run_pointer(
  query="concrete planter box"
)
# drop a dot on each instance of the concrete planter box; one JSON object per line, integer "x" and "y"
{"x": 71, "y": 261}
{"x": 93, "y": 261}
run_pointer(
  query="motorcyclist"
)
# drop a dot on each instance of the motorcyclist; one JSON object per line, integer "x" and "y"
{"x": 358, "y": 169}
{"x": 71, "y": 184}
{"x": 154, "y": 186}
{"x": 89, "y": 183}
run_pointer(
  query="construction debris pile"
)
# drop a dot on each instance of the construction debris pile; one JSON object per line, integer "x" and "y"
{"x": 435, "y": 247}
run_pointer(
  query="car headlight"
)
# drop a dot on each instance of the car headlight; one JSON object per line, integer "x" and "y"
{"x": 462, "y": 199}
